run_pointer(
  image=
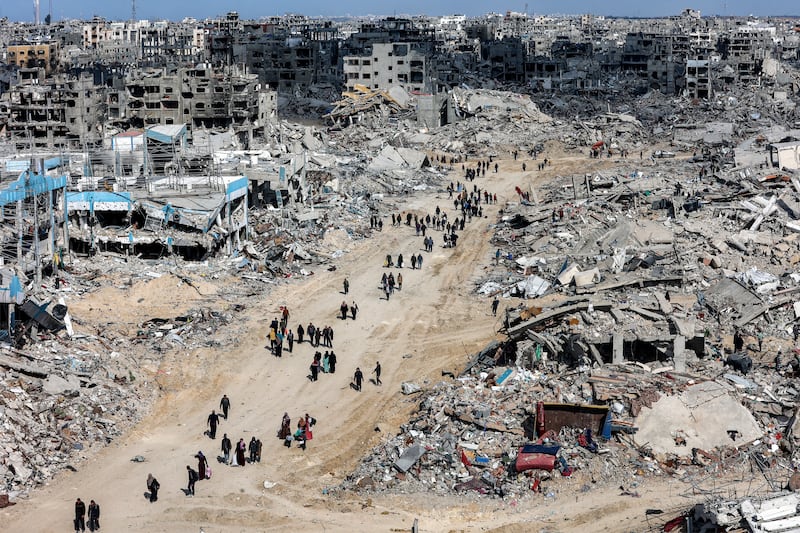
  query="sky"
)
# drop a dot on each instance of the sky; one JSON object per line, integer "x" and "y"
{"x": 22, "y": 10}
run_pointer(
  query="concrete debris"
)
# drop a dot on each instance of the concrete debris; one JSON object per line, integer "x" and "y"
{"x": 363, "y": 99}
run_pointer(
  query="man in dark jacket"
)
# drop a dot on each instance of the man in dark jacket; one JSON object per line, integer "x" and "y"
{"x": 358, "y": 377}
{"x": 226, "y": 448}
{"x": 213, "y": 420}
{"x": 225, "y": 405}
{"x": 94, "y": 516}
{"x": 192, "y": 480}
{"x": 80, "y": 515}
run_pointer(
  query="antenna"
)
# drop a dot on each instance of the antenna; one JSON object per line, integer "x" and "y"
{"x": 526, "y": 9}
{"x": 133, "y": 10}
{"x": 36, "y": 12}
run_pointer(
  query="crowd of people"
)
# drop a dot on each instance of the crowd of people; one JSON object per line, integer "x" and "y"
{"x": 467, "y": 204}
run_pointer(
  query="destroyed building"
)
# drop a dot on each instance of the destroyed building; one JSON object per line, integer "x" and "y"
{"x": 201, "y": 96}
{"x": 62, "y": 111}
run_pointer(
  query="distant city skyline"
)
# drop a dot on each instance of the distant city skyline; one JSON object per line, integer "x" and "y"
{"x": 22, "y": 10}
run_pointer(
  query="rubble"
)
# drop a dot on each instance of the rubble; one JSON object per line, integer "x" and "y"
{"x": 623, "y": 289}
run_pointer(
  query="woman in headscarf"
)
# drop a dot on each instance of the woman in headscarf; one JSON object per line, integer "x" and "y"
{"x": 152, "y": 487}
{"x": 241, "y": 448}
{"x": 286, "y": 426}
{"x": 202, "y": 464}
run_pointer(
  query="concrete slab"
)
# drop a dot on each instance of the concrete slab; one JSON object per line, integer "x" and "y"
{"x": 704, "y": 412}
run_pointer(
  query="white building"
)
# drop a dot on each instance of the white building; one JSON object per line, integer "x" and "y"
{"x": 389, "y": 64}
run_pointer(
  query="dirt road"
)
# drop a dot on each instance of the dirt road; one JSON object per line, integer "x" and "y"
{"x": 427, "y": 327}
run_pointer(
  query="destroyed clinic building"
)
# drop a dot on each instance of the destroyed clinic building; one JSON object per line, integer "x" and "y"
{"x": 34, "y": 234}
{"x": 192, "y": 217}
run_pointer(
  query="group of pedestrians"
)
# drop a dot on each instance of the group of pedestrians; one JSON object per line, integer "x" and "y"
{"x": 325, "y": 363}
{"x": 316, "y": 335}
{"x": 390, "y": 283}
{"x": 213, "y": 419}
{"x": 279, "y": 332}
{"x": 358, "y": 377}
{"x": 480, "y": 170}
{"x": 232, "y": 456}
{"x": 238, "y": 456}
{"x": 344, "y": 308}
{"x": 375, "y": 223}
{"x": 82, "y": 513}
{"x": 301, "y": 435}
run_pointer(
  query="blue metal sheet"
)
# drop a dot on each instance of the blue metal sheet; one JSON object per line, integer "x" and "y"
{"x": 28, "y": 185}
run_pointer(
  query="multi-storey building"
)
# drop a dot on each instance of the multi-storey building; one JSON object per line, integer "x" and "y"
{"x": 60, "y": 112}
{"x": 34, "y": 53}
{"x": 199, "y": 97}
{"x": 404, "y": 64}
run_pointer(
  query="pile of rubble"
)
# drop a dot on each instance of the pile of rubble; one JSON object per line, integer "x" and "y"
{"x": 624, "y": 289}
{"x": 57, "y": 402}
{"x": 363, "y": 100}
{"x": 510, "y": 432}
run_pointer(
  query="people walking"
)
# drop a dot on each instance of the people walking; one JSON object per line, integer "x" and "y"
{"x": 346, "y": 285}
{"x": 225, "y": 405}
{"x": 343, "y": 309}
{"x": 213, "y": 420}
{"x": 495, "y": 303}
{"x": 332, "y": 362}
{"x": 354, "y": 310}
{"x": 80, "y": 515}
{"x": 289, "y": 341}
{"x": 152, "y": 487}
{"x": 193, "y": 476}
{"x": 226, "y": 448}
{"x": 358, "y": 377}
{"x": 93, "y": 513}
{"x": 284, "y": 317}
{"x": 377, "y": 372}
{"x": 300, "y": 333}
{"x": 400, "y": 281}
